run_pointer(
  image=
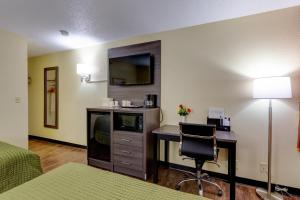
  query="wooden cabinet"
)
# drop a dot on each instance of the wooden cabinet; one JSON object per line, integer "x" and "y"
{"x": 131, "y": 152}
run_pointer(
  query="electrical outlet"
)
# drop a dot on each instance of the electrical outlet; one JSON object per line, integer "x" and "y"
{"x": 237, "y": 165}
{"x": 263, "y": 167}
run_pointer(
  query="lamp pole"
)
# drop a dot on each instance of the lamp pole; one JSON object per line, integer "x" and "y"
{"x": 263, "y": 194}
{"x": 270, "y": 149}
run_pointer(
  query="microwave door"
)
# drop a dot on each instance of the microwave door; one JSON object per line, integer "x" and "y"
{"x": 128, "y": 122}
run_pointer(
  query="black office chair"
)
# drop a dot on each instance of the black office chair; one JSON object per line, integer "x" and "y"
{"x": 198, "y": 142}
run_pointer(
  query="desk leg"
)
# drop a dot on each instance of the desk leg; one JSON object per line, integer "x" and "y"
{"x": 232, "y": 169}
{"x": 166, "y": 154}
{"x": 156, "y": 158}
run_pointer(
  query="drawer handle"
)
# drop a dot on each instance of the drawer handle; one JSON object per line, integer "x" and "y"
{"x": 125, "y": 163}
{"x": 125, "y": 140}
{"x": 126, "y": 152}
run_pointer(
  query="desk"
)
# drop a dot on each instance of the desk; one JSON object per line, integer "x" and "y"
{"x": 225, "y": 140}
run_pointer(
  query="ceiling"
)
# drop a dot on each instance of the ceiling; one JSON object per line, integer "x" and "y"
{"x": 95, "y": 21}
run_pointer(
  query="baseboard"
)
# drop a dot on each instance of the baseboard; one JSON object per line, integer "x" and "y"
{"x": 246, "y": 181}
{"x": 57, "y": 141}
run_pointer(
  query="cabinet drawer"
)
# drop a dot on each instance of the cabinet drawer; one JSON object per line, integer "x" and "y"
{"x": 130, "y": 172}
{"x": 128, "y": 151}
{"x": 127, "y": 162}
{"x": 126, "y": 138}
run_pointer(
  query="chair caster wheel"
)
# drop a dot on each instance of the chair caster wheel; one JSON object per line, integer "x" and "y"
{"x": 220, "y": 193}
{"x": 177, "y": 187}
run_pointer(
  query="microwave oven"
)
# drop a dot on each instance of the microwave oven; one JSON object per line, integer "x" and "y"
{"x": 128, "y": 122}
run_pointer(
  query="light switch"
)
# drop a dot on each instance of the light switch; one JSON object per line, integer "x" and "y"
{"x": 18, "y": 99}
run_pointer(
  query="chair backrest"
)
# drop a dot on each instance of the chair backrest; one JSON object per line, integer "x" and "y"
{"x": 203, "y": 134}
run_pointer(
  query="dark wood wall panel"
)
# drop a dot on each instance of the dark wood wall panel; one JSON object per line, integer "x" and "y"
{"x": 137, "y": 94}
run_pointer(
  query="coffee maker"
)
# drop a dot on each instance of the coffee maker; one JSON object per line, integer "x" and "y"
{"x": 151, "y": 101}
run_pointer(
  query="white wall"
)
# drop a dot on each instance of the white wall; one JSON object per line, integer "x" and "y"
{"x": 202, "y": 66}
{"x": 13, "y": 83}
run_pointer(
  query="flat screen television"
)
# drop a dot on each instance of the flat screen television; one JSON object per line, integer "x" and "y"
{"x": 131, "y": 70}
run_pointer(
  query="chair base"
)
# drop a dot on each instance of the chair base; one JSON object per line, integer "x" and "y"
{"x": 219, "y": 190}
{"x": 199, "y": 178}
{"x": 263, "y": 194}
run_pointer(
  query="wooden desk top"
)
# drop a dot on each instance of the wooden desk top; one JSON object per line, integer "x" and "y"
{"x": 173, "y": 130}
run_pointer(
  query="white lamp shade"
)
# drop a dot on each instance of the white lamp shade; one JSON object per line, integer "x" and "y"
{"x": 83, "y": 70}
{"x": 272, "y": 88}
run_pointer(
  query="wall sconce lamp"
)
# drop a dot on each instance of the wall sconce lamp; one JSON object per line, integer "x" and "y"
{"x": 85, "y": 71}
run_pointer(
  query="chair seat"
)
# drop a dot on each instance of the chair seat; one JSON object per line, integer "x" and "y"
{"x": 192, "y": 149}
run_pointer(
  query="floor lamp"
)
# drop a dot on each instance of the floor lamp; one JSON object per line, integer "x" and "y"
{"x": 271, "y": 88}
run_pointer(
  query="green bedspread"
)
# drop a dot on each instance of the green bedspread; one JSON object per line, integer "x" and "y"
{"x": 80, "y": 182}
{"x": 17, "y": 166}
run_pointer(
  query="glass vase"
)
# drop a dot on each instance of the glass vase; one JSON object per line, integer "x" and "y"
{"x": 183, "y": 119}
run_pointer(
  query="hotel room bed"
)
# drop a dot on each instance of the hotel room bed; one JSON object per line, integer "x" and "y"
{"x": 17, "y": 166}
{"x": 77, "y": 181}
